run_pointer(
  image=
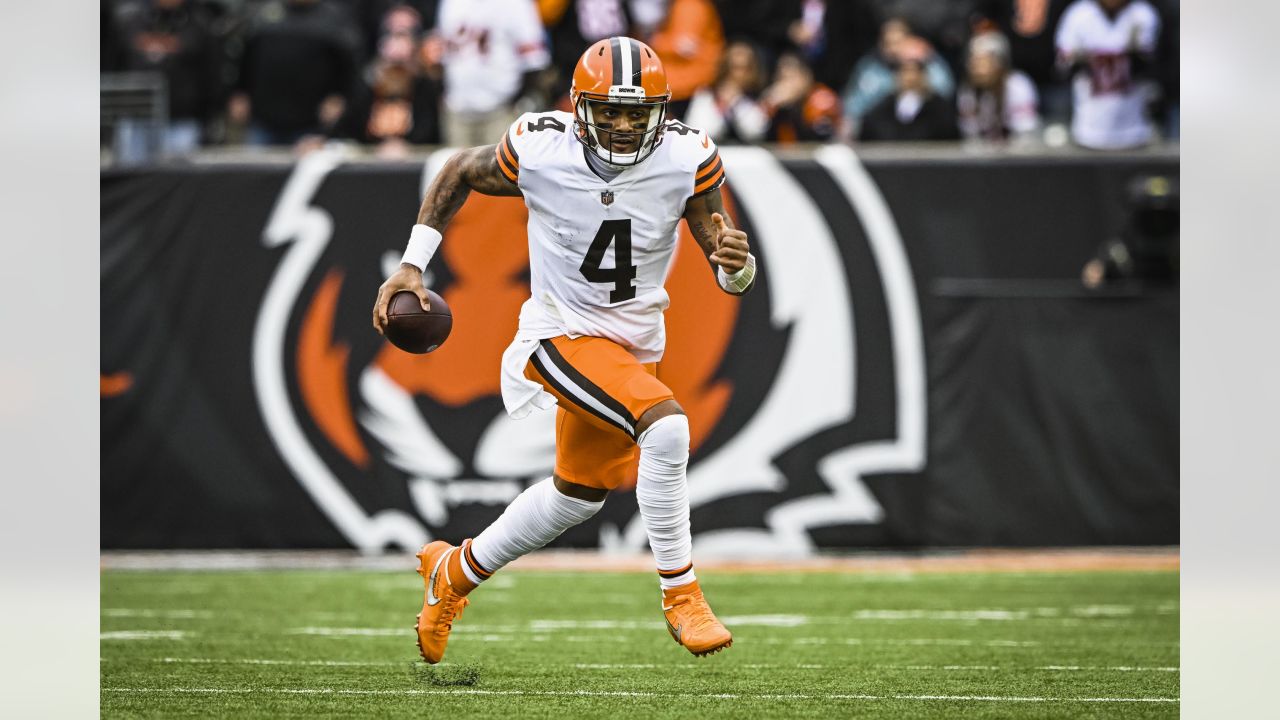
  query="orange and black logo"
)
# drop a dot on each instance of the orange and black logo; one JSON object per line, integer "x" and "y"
{"x": 794, "y": 392}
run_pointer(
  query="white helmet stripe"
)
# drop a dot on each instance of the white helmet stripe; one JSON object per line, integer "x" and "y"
{"x": 629, "y": 53}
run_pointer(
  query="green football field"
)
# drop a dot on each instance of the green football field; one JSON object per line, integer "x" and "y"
{"x": 340, "y": 643}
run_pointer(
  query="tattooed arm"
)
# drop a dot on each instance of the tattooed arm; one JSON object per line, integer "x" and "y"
{"x": 473, "y": 169}
{"x": 725, "y": 246}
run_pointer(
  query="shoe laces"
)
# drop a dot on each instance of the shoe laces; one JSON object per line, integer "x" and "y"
{"x": 450, "y": 611}
{"x": 698, "y": 611}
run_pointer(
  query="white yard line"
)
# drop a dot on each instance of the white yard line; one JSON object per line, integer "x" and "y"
{"x": 652, "y": 666}
{"x": 504, "y": 635}
{"x": 734, "y": 620}
{"x": 144, "y": 635}
{"x": 350, "y": 631}
{"x": 166, "y": 614}
{"x": 1048, "y": 668}
{"x": 508, "y": 633}
{"x": 766, "y": 620}
{"x": 1119, "y": 668}
{"x": 552, "y": 625}
{"x": 266, "y": 661}
{"x": 896, "y": 641}
{"x": 347, "y": 633}
{"x": 622, "y": 693}
{"x": 1065, "y": 615}
{"x": 943, "y": 667}
{"x": 963, "y": 615}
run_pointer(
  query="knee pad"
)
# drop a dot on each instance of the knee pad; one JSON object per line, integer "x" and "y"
{"x": 566, "y": 511}
{"x": 667, "y": 437}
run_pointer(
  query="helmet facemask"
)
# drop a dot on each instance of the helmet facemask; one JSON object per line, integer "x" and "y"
{"x": 598, "y": 133}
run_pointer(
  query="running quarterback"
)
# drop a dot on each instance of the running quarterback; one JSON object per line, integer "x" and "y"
{"x": 606, "y": 187}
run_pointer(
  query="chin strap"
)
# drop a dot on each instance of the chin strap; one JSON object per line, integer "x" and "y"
{"x": 584, "y": 114}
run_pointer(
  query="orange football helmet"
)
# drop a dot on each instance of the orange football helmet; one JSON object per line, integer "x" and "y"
{"x": 619, "y": 71}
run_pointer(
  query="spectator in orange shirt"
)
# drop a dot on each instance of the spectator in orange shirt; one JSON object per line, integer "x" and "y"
{"x": 802, "y": 109}
{"x": 690, "y": 43}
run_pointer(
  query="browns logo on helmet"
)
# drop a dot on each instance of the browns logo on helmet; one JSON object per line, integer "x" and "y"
{"x": 619, "y": 71}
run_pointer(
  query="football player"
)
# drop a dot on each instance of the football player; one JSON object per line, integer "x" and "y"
{"x": 606, "y": 187}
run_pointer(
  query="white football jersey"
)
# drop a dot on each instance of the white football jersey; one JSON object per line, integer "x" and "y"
{"x": 599, "y": 251}
{"x": 1109, "y": 107}
{"x": 489, "y": 45}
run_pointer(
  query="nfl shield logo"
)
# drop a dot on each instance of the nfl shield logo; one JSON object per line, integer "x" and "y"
{"x": 606, "y": 197}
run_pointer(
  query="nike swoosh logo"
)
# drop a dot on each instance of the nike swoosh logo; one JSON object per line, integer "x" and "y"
{"x": 431, "y": 582}
{"x": 519, "y": 129}
{"x": 675, "y": 631}
{"x": 706, "y": 141}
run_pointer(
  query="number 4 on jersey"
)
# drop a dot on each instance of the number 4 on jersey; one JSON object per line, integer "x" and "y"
{"x": 618, "y": 234}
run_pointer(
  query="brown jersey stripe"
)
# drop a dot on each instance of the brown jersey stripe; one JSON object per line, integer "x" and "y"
{"x": 508, "y": 153}
{"x": 511, "y": 149}
{"x": 675, "y": 573}
{"x": 507, "y": 173}
{"x": 704, "y": 174}
{"x": 710, "y": 183}
{"x": 587, "y": 385}
{"x": 565, "y": 395}
{"x": 709, "y": 161}
{"x": 503, "y": 164}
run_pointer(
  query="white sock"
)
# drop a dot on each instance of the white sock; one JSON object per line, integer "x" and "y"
{"x": 536, "y": 517}
{"x": 663, "y": 495}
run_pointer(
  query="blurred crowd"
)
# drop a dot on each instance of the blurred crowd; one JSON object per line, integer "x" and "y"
{"x": 394, "y": 73}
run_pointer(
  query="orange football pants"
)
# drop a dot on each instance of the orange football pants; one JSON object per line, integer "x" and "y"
{"x": 602, "y": 391}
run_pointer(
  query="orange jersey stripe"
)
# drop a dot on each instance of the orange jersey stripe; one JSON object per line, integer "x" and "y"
{"x": 708, "y": 166}
{"x": 508, "y": 168}
{"x": 507, "y": 173}
{"x": 512, "y": 156}
{"x": 709, "y": 183}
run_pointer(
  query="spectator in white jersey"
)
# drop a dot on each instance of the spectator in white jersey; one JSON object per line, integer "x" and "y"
{"x": 1107, "y": 46}
{"x": 575, "y": 24}
{"x": 995, "y": 102}
{"x": 1028, "y": 26}
{"x": 494, "y": 50}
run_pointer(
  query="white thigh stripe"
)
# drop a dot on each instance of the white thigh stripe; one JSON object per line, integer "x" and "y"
{"x": 580, "y": 395}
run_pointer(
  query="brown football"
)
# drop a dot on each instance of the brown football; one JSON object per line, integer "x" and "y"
{"x": 413, "y": 329}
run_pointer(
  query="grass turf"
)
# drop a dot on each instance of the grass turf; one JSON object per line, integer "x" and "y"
{"x": 548, "y": 644}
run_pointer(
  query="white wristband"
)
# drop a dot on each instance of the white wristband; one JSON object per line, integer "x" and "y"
{"x": 423, "y": 242}
{"x": 738, "y": 282}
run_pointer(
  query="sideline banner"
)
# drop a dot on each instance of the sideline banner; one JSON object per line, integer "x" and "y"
{"x": 248, "y": 403}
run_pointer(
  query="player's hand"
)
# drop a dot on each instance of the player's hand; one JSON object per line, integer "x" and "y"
{"x": 408, "y": 278}
{"x": 731, "y": 246}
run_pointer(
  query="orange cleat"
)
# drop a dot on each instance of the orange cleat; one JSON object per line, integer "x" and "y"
{"x": 443, "y": 600}
{"x": 691, "y": 622}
